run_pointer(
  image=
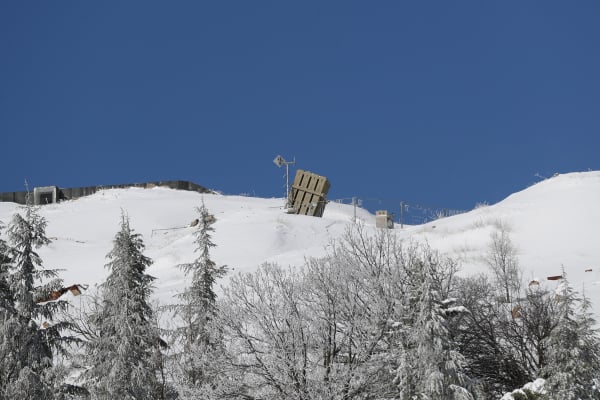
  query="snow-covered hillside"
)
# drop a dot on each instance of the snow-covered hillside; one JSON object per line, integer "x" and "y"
{"x": 248, "y": 232}
{"x": 554, "y": 225}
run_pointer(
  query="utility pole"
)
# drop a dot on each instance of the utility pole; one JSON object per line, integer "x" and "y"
{"x": 279, "y": 161}
{"x": 401, "y": 215}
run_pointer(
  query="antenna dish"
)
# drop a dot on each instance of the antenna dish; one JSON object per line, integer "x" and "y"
{"x": 279, "y": 161}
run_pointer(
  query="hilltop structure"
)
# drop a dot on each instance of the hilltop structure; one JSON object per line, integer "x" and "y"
{"x": 54, "y": 194}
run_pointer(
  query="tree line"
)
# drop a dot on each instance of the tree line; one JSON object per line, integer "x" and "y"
{"x": 375, "y": 318}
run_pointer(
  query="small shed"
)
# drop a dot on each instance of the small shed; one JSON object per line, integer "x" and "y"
{"x": 45, "y": 195}
{"x": 384, "y": 220}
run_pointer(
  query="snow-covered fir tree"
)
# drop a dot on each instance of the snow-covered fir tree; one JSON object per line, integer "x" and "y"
{"x": 6, "y": 299}
{"x": 125, "y": 355}
{"x": 199, "y": 337}
{"x": 8, "y": 365}
{"x": 573, "y": 369}
{"x": 430, "y": 367}
{"x": 30, "y": 334}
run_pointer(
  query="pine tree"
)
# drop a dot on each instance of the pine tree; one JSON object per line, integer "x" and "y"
{"x": 6, "y": 298}
{"x": 8, "y": 366}
{"x": 125, "y": 354}
{"x": 26, "y": 347}
{"x": 573, "y": 369}
{"x": 199, "y": 336}
{"x": 429, "y": 367}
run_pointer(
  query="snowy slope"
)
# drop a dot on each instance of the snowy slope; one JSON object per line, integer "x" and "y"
{"x": 248, "y": 232}
{"x": 554, "y": 224}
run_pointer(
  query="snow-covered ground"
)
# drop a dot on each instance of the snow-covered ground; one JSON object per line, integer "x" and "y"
{"x": 554, "y": 225}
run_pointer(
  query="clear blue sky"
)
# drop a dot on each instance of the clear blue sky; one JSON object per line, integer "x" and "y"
{"x": 444, "y": 103}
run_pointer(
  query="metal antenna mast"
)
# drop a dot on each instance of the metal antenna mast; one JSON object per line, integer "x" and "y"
{"x": 279, "y": 161}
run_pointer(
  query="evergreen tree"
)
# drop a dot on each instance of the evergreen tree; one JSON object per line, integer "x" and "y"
{"x": 26, "y": 348}
{"x": 125, "y": 354}
{"x": 8, "y": 365}
{"x": 573, "y": 369}
{"x": 6, "y": 298}
{"x": 430, "y": 367}
{"x": 199, "y": 336}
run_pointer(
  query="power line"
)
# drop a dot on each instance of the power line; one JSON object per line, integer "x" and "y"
{"x": 417, "y": 212}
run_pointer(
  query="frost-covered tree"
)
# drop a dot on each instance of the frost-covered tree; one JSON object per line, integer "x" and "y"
{"x": 318, "y": 332}
{"x": 8, "y": 366}
{"x": 30, "y": 333}
{"x": 354, "y": 297}
{"x": 547, "y": 334}
{"x": 6, "y": 298}
{"x": 573, "y": 368}
{"x": 349, "y": 308}
{"x": 199, "y": 337}
{"x": 268, "y": 336}
{"x": 345, "y": 325}
{"x": 430, "y": 366}
{"x": 125, "y": 354}
{"x": 503, "y": 262}
{"x": 505, "y": 345}
{"x": 530, "y": 391}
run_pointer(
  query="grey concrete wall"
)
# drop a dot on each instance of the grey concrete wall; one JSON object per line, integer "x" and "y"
{"x": 14, "y": 197}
